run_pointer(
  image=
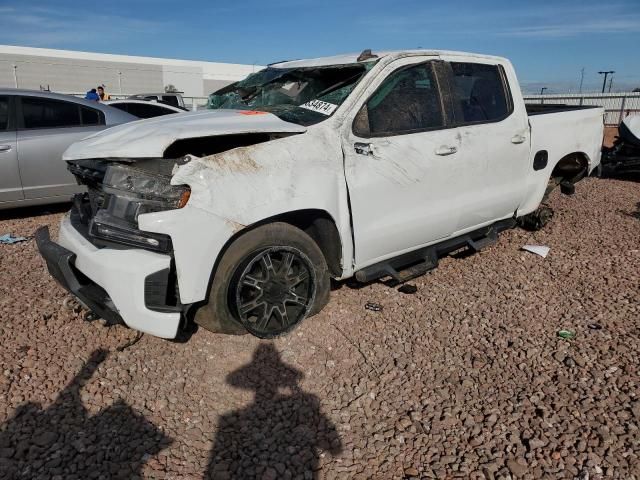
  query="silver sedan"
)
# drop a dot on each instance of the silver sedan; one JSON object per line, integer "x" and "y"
{"x": 35, "y": 128}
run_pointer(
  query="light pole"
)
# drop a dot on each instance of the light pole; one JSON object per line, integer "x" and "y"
{"x": 15, "y": 75}
{"x": 606, "y": 74}
{"x": 119, "y": 82}
{"x": 581, "y": 79}
{"x": 542, "y": 90}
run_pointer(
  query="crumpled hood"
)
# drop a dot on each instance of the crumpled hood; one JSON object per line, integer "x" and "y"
{"x": 150, "y": 138}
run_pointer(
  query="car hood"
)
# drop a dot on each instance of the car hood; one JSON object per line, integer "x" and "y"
{"x": 150, "y": 138}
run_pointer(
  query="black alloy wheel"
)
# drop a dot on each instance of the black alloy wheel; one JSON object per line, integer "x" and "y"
{"x": 274, "y": 291}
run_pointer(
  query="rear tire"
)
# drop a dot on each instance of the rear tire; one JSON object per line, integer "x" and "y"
{"x": 267, "y": 282}
{"x": 537, "y": 219}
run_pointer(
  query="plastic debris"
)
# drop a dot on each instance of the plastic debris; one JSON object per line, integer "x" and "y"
{"x": 595, "y": 326}
{"x": 374, "y": 307}
{"x": 566, "y": 334}
{"x": 10, "y": 238}
{"x": 541, "y": 250}
{"x": 408, "y": 289}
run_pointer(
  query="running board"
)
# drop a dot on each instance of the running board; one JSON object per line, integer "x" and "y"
{"x": 414, "y": 264}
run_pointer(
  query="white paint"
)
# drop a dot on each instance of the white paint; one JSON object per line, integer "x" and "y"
{"x": 150, "y": 138}
{"x": 403, "y": 196}
{"x": 122, "y": 273}
{"x": 632, "y": 122}
{"x": 560, "y": 134}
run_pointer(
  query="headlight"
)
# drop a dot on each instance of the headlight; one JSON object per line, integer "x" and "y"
{"x": 144, "y": 185}
{"x": 128, "y": 193}
{"x": 110, "y": 229}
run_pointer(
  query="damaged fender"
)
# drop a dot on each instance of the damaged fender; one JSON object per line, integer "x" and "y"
{"x": 235, "y": 189}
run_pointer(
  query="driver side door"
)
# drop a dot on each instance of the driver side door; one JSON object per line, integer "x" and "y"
{"x": 401, "y": 163}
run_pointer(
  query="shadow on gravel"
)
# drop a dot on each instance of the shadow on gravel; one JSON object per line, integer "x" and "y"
{"x": 281, "y": 435}
{"x": 27, "y": 212}
{"x": 64, "y": 441}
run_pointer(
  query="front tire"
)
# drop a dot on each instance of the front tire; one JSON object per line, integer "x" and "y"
{"x": 268, "y": 281}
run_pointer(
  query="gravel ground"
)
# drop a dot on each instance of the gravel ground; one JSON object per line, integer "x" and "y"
{"x": 466, "y": 378}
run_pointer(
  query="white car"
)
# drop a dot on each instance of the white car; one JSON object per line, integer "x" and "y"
{"x": 371, "y": 165}
{"x": 144, "y": 108}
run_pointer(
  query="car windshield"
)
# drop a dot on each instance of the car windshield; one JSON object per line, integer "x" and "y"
{"x": 299, "y": 95}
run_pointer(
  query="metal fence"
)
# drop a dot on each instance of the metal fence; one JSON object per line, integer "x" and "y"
{"x": 616, "y": 105}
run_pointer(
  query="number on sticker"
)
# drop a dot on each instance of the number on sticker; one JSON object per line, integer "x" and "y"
{"x": 319, "y": 106}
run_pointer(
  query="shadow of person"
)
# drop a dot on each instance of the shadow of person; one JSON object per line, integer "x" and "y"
{"x": 63, "y": 441}
{"x": 281, "y": 435}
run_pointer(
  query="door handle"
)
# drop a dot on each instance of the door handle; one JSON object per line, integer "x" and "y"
{"x": 363, "y": 148}
{"x": 5, "y": 148}
{"x": 446, "y": 150}
{"x": 518, "y": 139}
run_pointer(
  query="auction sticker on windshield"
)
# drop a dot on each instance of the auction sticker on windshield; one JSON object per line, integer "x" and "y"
{"x": 319, "y": 106}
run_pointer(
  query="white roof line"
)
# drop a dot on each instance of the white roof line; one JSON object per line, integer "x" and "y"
{"x": 109, "y": 57}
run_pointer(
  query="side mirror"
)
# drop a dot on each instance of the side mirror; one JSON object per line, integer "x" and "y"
{"x": 361, "y": 122}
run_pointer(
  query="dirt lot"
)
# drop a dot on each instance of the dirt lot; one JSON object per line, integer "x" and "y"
{"x": 467, "y": 378}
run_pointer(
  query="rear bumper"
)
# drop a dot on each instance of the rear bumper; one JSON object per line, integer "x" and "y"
{"x": 110, "y": 282}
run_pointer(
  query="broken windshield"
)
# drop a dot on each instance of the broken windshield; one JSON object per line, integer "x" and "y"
{"x": 300, "y": 95}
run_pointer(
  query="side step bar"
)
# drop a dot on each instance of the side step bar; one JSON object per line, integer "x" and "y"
{"x": 414, "y": 264}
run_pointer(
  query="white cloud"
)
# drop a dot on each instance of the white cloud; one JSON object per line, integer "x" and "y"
{"x": 547, "y": 21}
{"x": 44, "y": 27}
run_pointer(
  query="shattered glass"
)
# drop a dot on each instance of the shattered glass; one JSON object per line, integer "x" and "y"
{"x": 292, "y": 94}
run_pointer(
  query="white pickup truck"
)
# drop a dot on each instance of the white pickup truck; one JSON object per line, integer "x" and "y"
{"x": 371, "y": 165}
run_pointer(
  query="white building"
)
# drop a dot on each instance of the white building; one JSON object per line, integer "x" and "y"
{"x": 77, "y": 72}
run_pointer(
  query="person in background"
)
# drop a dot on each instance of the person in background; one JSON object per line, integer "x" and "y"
{"x": 92, "y": 95}
{"x": 102, "y": 94}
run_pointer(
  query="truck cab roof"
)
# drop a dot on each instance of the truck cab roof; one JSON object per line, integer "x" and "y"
{"x": 350, "y": 58}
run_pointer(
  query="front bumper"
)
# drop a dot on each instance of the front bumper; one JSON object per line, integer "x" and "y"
{"x": 110, "y": 282}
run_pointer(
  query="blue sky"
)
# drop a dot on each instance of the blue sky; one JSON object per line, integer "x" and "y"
{"x": 549, "y": 42}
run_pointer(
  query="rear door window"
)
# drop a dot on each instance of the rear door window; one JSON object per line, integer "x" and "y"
{"x": 4, "y": 113}
{"x": 480, "y": 92}
{"x": 46, "y": 113}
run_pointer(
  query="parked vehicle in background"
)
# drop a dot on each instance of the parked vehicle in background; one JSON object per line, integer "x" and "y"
{"x": 35, "y": 128}
{"x": 624, "y": 155}
{"x": 174, "y": 99}
{"x": 144, "y": 108}
{"x": 366, "y": 166}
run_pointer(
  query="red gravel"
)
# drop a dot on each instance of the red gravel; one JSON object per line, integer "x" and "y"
{"x": 464, "y": 379}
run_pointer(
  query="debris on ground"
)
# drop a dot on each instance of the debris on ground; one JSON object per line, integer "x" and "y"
{"x": 408, "y": 289}
{"x": 566, "y": 334}
{"x": 10, "y": 238}
{"x": 374, "y": 307}
{"x": 594, "y": 326}
{"x": 541, "y": 250}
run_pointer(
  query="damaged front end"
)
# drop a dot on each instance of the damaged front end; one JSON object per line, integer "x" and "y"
{"x": 624, "y": 156}
{"x": 118, "y": 193}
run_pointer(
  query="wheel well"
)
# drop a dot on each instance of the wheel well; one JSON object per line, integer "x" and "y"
{"x": 320, "y": 226}
{"x": 571, "y": 168}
